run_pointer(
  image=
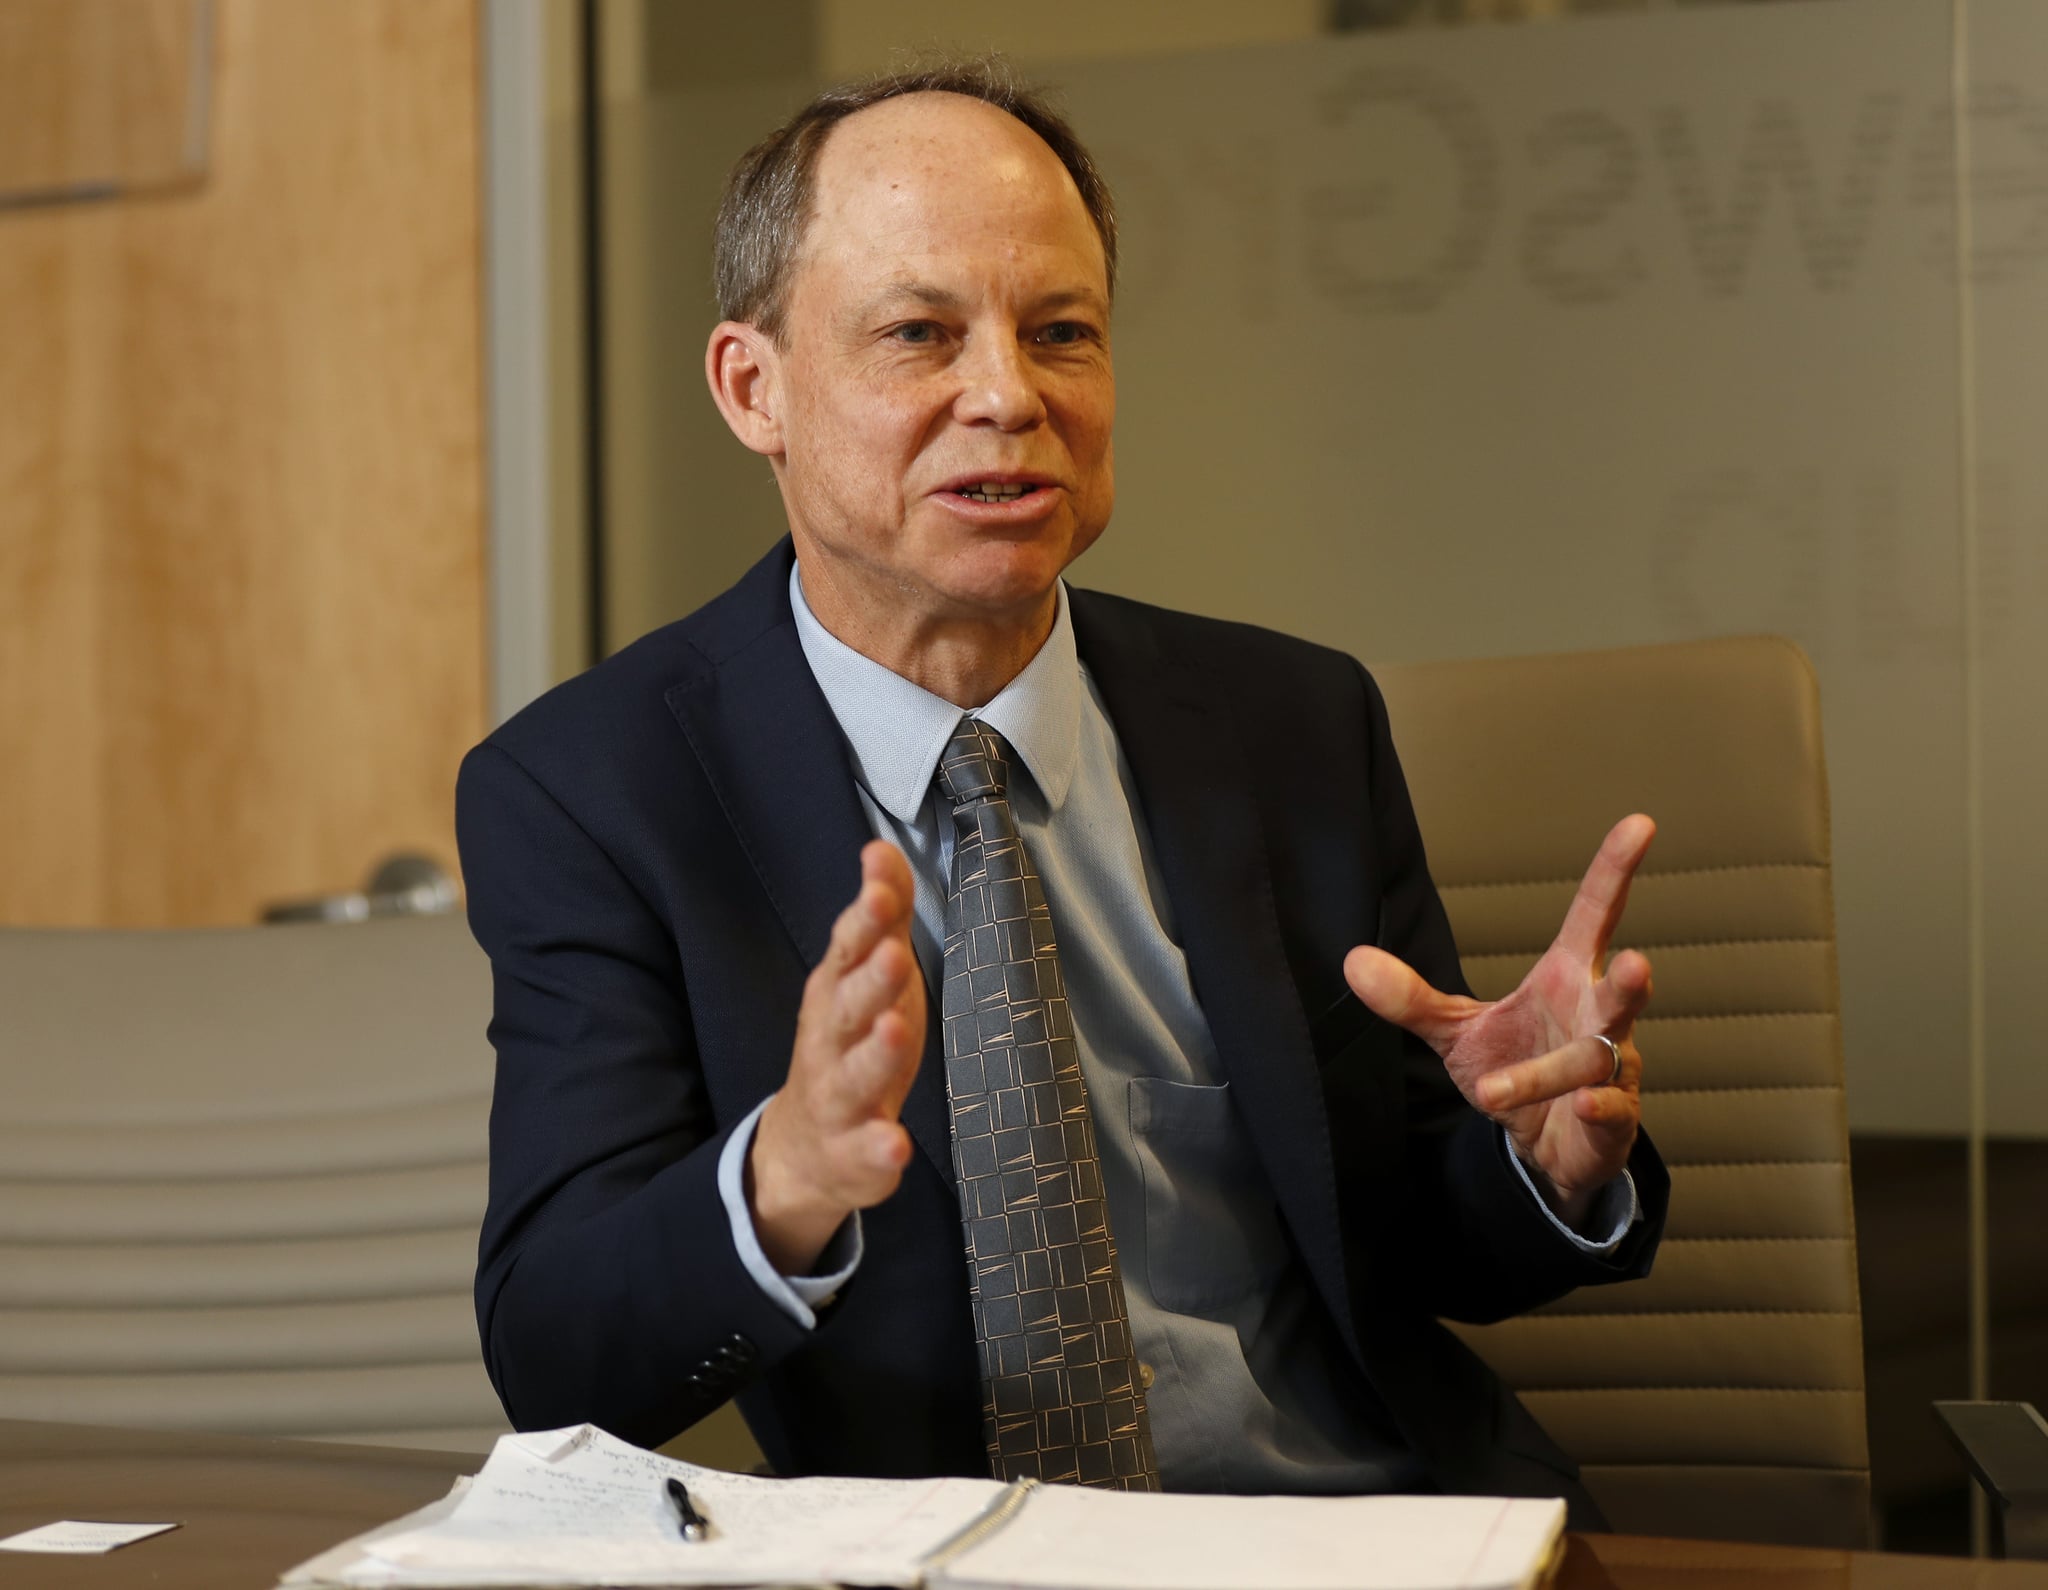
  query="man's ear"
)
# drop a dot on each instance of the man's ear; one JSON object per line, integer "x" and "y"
{"x": 744, "y": 368}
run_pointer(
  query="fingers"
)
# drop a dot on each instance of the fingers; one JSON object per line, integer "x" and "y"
{"x": 875, "y": 985}
{"x": 881, "y": 862}
{"x": 882, "y": 907}
{"x": 1589, "y": 924}
{"x": 829, "y": 1141}
{"x": 836, "y": 1126}
{"x": 1396, "y": 992}
{"x": 1606, "y": 1106}
{"x": 860, "y": 1030}
{"x": 1621, "y": 996}
{"x": 868, "y": 964}
{"x": 1583, "y": 1063}
{"x": 884, "y": 1145}
{"x": 875, "y": 1073}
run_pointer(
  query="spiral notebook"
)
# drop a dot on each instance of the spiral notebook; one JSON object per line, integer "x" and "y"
{"x": 578, "y": 1507}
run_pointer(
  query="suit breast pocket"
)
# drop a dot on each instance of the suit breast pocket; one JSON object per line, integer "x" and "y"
{"x": 1212, "y": 1231}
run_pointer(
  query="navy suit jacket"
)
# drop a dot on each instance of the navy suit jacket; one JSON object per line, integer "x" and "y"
{"x": 655, "y": 852}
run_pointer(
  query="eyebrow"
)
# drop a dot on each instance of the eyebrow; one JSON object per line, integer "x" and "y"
{"x": 928, "y": 296}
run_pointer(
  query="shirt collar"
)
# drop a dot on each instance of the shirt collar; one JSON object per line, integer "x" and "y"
{"x": 897, "y": 730}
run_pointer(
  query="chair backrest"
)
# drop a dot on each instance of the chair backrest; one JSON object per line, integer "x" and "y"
{"x": 241, "y": 1175}
{"x": 1722, "y": 1396}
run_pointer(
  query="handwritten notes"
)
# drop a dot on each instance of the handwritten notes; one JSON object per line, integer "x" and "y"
{"x": 580, "y": 1507}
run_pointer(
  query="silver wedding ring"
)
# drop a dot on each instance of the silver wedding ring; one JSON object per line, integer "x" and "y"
{"x": 1614, "y": 1049}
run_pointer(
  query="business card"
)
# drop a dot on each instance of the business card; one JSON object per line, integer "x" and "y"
{"x": 72, "y": 1537}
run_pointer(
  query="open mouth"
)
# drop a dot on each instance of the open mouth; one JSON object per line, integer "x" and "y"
{"x": 991, "y": 491}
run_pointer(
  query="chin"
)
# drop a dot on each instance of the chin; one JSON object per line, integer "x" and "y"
{"x": 1007, "y": 575}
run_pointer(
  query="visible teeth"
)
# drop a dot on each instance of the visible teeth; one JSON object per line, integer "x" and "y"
{"x": 990, "y": 491}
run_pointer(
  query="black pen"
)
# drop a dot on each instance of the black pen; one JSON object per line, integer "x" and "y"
{"x": 695, "y": 1525}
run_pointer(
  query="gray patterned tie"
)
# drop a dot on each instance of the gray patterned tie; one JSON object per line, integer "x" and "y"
{"x": 1061, "y": 1398}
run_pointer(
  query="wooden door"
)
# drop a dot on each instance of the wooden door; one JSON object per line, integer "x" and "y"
{"x": 241, "y": 480}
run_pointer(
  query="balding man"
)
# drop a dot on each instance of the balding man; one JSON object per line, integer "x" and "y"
{"x": 1132, "y": 1125}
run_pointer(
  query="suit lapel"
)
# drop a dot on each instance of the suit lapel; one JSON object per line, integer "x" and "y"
{"x": 1195, "y": 789}
{"x": 776, "y": 758}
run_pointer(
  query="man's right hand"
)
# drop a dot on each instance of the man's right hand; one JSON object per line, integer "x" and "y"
{"x": 829, "y": 1141}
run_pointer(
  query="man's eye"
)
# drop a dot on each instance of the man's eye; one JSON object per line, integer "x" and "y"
{"x": 916, "y": 332}
{"x": 1064, "y": 331}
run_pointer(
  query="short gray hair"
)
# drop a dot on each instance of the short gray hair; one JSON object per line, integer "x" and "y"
{"x": 768, "y": 197}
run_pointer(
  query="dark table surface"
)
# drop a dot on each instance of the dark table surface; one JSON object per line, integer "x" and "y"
{"x": 252, "y": 1508}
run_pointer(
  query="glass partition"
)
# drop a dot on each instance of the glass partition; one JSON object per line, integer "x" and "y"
{"x": 2001, "y": 249}
{"x": 1438, "y": 341}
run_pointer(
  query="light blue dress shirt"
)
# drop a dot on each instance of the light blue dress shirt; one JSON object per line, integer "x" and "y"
{"x": 1253, "y": 1390}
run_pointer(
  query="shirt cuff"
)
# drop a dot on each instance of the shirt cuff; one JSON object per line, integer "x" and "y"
{"x": 798, "y": 1296}
{"x": 1613, "y": 1211}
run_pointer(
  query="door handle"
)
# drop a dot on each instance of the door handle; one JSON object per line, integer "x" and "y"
{"x": 405, "y": 884}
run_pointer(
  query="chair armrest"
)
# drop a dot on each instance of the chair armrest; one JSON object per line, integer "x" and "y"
{"x": 2005, "y": 1445}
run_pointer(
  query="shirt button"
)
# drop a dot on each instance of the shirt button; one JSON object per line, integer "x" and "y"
{"x": 1145, "y": 1376}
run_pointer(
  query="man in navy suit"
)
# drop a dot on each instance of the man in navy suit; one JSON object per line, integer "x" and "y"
{"x": 711, "y": 873}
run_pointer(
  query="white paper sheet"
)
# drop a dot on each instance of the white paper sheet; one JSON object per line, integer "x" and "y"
{"x": 334, "y": 1566}
{"x": 1066, "y": 1538}
{"x": 578, "y": 1507}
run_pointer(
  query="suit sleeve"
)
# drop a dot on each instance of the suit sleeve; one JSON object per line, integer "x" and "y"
{"x": 1469, "y": 1233}
{"x": 609, "y": 1288}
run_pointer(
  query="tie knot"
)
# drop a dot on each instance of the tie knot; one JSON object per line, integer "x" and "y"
{"x": 975, "y": 764}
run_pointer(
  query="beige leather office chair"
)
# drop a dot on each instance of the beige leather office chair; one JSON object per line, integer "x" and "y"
{"x": 1723, "y": 1395}
{"x": 241, "y": 1173}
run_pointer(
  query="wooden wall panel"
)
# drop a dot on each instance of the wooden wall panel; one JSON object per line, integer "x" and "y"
{"x": 241, "y": 532}
{"x": 50, "y": 794}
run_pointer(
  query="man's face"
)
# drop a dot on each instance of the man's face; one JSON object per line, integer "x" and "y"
{"x": 946, "y": 392}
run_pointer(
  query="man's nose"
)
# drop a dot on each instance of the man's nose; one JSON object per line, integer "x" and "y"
{"x": 1000, "y": 386}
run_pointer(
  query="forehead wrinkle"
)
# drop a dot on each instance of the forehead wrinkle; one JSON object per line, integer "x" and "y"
{"x": 1068, "y": 297}
{"x": 909, "y": 290}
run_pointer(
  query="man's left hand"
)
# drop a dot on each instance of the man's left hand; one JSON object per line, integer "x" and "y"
{"x": 1532, "y": 1061}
